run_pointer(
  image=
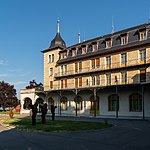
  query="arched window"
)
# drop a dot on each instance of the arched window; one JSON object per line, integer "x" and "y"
{"x": 39, "y": 101}
{"x": 93, "y": 104}
{"x": 63, "y": 103}
{"x": 135, "y": 102}
{"x": 27, "y": 102}
{"x": 112, "y": 102}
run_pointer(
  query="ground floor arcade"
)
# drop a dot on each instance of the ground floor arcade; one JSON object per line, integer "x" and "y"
{"x": 114, "y": 101}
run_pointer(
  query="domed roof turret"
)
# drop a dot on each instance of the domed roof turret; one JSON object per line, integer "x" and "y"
{"x": 58, "y": 41}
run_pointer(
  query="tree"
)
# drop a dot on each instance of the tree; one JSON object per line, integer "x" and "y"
{"x": 7, "y": 95}
{"x": 33, "y": 84}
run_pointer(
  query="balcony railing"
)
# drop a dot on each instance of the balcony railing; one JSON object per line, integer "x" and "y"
{"x": 116, "y": 65}
{"x": 100, "y": 83}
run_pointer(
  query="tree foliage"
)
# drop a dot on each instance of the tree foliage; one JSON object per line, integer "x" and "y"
{"x": 34, "y": 84}
{"x": 7, "y": 95}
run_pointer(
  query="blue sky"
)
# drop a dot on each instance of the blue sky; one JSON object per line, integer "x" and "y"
{"x": 28, "y": 26}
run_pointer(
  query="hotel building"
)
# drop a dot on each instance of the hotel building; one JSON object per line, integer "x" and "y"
{"x": 104, "y": 76}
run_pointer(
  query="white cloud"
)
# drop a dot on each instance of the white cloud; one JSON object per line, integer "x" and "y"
{"x": 4, "y": 75}
{"x": 3, "y": 62}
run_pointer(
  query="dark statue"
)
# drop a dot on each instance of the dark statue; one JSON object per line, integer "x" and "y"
{"x": 53, "y": 111}
{"x": 44, "y": 112}
{"x": 34, "y": 113}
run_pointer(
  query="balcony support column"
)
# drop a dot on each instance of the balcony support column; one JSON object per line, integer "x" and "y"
{"x": 76, "y": 92}
{"x": 59, "y": 101}
{"x": 94, "y": 102}
{"x": 143, "y": 108}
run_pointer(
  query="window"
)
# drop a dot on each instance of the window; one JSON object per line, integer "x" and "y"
{"x": 70, "y": 53}
{"x": 89, "y": 48}
{"x": 112, "y": 102}
{"x": 124, "y": 40}
{"x": 93, "y": 80}
{"x": 61, "y": 84}
{"x": 65, "y": 69}
{"x": 135, "y": 102}
{"x": 142, "y": 34}
{"x": 124, "y": 77}
{"x": 64, "y": 83}
{"x": 63, "y": 104}
{"x": 80, "y": 66}
{"x": 83, "y": 50}
{"x": 52, "y": 57}
{"x": 74, "y": 52}
{"x": 108, "y": 62}
{"x": 51, "y": 84}
{"x": 94, "y": 47}
{"x": 49, "y": 58}
{"x": 76, "y": 82}
{"x": 76, "y": 67}
{"x": 108, "y": 79}
{"x": 65, "y": 54}
{"x": 97, "y": 80}
{"x": 108, "y": 43}
{"x": 62, "y": 70}
{"x": 79, "y": 52}
{"x": 123, "y": 59}
{"x": 50, "y": 71}
{"x": 80, "y": 81}
{"x": 143, "y": 56}
{"x": 97, "y": 63}
{"x": 143, "y": 75}
{"x": 87, "y": 82}
{"x": 93, "y": 63}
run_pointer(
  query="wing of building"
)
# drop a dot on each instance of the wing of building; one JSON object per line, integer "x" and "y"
{"x": 104, "y": 76}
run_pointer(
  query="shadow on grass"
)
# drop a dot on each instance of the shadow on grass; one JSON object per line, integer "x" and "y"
{"x": 57, "y": 125}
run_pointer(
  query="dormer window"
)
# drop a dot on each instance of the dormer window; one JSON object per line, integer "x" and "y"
{"x": 79, "y": 52}
{"x": 73, "y": 52}
{"x": 65, "y": 54}
{"x": 94, "y": 46}
{"x": 89, "y": 48}
{"x": 84, "y": 50}
{"x": 108, "y": 43}
{"x": 124, "y": 39}
{"x": 142, "y": 34}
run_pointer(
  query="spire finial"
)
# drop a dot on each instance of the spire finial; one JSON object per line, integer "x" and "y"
{"x": 58, "y": 25}
{"x": 112, "y": 26}
{"x": 79, "y": 40}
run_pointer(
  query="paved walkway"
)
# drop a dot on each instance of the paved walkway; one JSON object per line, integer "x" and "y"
{"x": 126, "y": 134}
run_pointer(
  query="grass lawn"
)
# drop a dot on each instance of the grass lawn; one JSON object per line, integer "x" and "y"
{"x": 7, "y": 112}
{"x": 57, "y": 125}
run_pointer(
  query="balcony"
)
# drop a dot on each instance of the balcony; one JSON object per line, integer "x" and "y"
{"x": 102, "y": 83}
{"x": 117, "y": 65}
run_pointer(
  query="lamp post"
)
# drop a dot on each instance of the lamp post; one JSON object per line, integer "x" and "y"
{"x": 116, "y": 81}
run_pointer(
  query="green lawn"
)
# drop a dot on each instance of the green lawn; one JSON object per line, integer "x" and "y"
{"x": 57, "y": 125}
{"x": 7, "y": 112}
